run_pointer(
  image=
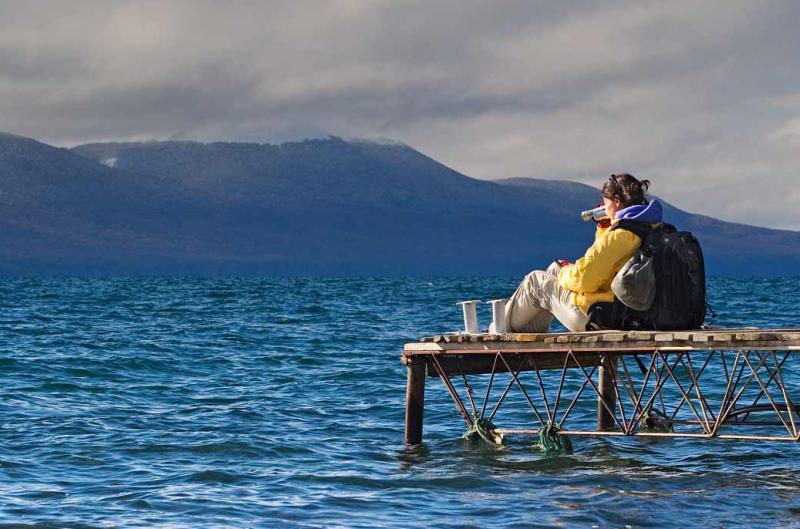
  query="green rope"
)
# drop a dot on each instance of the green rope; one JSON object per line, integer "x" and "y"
{"x": 551, "y": 442}
{"x": 655, "y": 421}
{"x": 483, "y": 429}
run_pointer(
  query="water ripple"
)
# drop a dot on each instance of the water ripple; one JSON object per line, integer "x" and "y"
{"x": 279, "y": 402}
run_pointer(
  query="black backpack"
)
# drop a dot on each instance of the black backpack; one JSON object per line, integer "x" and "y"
{"x": 680, "y": 300}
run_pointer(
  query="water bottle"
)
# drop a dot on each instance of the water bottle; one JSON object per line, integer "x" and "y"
{"x": 596, "y": 214}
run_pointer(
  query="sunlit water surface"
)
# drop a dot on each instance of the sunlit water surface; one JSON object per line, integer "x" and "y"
{"x": 279, "y": 403}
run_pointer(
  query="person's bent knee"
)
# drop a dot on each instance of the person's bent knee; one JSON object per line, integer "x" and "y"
{"x": 541, "y": 278}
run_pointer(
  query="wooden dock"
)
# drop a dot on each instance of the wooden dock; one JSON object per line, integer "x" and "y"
{"x": 716, "y": 383}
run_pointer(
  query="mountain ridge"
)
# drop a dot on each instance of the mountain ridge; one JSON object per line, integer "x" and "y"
{"x": 315, "y": 207}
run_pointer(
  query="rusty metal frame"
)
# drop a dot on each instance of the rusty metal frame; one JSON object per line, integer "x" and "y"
{"x": 672, "y": 378}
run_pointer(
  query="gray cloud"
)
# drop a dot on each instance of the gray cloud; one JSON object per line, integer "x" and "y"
{"x": 703, "y": 98}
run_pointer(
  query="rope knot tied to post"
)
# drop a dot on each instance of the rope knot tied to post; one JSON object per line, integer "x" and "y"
{"x": 484, "y": 429}
{"x": 552, "y": 442}
{"x": 655, "y": 421}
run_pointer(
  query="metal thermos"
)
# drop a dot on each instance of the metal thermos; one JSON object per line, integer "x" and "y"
{"x": 595, "y": 214}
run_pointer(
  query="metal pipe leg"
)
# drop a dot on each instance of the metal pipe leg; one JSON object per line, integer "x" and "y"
{"x": 415, "y": 401}
{"x": 606, "y": 375}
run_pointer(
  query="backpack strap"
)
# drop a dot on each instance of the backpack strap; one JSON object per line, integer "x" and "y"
{"x": 642, "y": 229}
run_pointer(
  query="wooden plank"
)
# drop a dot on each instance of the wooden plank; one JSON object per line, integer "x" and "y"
{"x": 424, "y": 347}
{"x": 624, "y": 342}
{"x": 418, "y": 348}
{"x": 527, "y": 337}
{"x": 739, "y": 334}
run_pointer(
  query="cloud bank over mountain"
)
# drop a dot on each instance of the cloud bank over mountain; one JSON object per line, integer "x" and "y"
{"x": 700, "y": 97}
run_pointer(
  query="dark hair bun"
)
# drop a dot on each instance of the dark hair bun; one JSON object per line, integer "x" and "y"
{"x": 626, "y": 188}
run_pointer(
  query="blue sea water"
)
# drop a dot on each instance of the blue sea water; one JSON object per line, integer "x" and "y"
{"x": 279, "y": 403}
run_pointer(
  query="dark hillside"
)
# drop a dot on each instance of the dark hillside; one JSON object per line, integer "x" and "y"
{"x": 325, "y": 207}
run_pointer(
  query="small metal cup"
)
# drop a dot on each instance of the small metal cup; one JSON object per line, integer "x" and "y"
{"x": 470, "y": 315}
{"x": 499, "y": 323}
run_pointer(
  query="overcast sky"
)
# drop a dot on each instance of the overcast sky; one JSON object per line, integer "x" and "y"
{"x": 703, "y": 98}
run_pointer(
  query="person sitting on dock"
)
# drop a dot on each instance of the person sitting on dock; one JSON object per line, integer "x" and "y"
{"x": 566, "y": 291}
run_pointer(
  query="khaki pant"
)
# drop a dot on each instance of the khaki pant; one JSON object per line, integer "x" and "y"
{"x": 537, "y": 299}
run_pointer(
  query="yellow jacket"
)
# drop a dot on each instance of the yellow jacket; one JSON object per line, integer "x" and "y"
{"x": 589, "y": 278}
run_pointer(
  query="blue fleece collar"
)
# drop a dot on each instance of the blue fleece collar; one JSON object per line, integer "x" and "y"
{"x": 651, "y": 212}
